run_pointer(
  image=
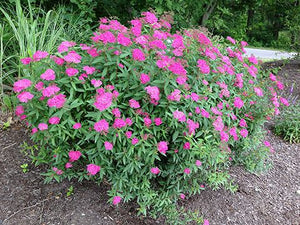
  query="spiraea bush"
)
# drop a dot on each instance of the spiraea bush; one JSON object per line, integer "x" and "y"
{"x": 156, "y": 115}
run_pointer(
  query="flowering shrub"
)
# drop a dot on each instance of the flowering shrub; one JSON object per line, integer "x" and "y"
{"x": 155, "y": 114}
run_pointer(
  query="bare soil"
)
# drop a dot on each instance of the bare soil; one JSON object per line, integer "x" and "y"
{"x": 271, "y": 198}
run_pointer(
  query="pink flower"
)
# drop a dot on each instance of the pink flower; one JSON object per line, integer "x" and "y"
{"x": 74, "y": 155}
{"x": 232, "y": 132}
{"x": 150, "y": 17}
{"x": 195, "y": 97}
{"x": 119, "y": 123}
{"x": 155, "y": 170}
{"x": 26, "y": 61}
{"x": 134, "y": 141}
{"x": 89, "y": 70}
{"x": 38, "y": 55}
{"x": 34, "y": 130}
{"x": 218, "y": 124}
{"x": 153, "y": 91}
{"x": 187, "y": 145}
{"x": 51, "y": 90}
{"x": 244, "y": 43}
{"x": 182, "y": 196}
{"x": 57, "y": 171}
{"x": 144, "y": 78}
{"x": 101, "y": 126}
{"x": 206, "y": 222}
{"x": 204, "y": 68}
{"x": 19, "y": 110}
{"x": 39, "y": 86}
{"x": 128, "y": 134}
{"x": 258, "y": 91}
{"x": 103, "y": 101}
{"x": 128, "y": 121}
{"x": 252, "y": 59}
{"x": 205, "y": 82}
{"x": 64, "y": 46}
{"x": 267, "y": 144}
{"x": 23, "y": 117}
{"x": 147, "y": 121}
{"x": 58, "y": 61}
{"x": 284, "y": 101}
{"x": 125, "y": 41}
{"x": 68, "y": 165}
{"x": 116, "y": 200}
{"x": 82, "y": 77}
{"x": 54, "y": 120}
{"x": 157, "y": 121}
{"x": 162, "y": 147}
{"x": 21, "y": 85}
{"x": 187, "y": 170}
{"x": 198, "y": 163}
{"x": 71, "y": 72}
{"x": 204, "y": 113}
{"x": 216, "y": 111}
{"x": 243, "y": 123}
{"x": 175, "y": 95}
{"x": 197, "y": 110}
{"x": 116, "y": 112}
{"x": 107, "y": 37}
{"x": 43, "y": 126}
{"x": 49, "y": 74}
{"x": 25, "y": 96}
{"x": 231, "y": 40}
{"x": 108, "y": 145}
{"x": 224, "y": 136}
{"x": 244, "y": 133}
{"x": 72, "y": 56}
{"x": 93, "y": 169}
{"x": 57, "y": 101}
{"x": 96, "y": 83}
{"x": 177, "y": 68}
{"x": 138, "y": 55}
{"x": 134, "y": 104}
{"x": 77, "y": 126}
{"x": 272, "y": 77}
{"x": 115, "y": 94}
{"x": 238, "y": 103}
{"x": 179, "y": 115}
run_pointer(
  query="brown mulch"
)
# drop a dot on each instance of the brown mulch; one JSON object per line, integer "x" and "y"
{"x": 271, "y": 198}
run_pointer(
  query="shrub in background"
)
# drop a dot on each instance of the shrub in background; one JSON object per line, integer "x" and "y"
{"x": 157, "y": 115}
{"x": 287, "y": 124}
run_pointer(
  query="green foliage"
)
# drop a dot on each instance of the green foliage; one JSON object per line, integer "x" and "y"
{"x": 287, "y": 124}
{"x": 227, "y": 22}
{"x": 253, "y": 154}
{"x": 24, "y": 167}
{"x": 70, "y": 191}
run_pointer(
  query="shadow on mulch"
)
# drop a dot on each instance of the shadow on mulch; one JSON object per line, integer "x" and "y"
{"x": 270, "y": 198}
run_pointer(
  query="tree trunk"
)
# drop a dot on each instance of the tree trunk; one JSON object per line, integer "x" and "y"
{"x": 250, "y": 15}
{"x": 208, "y": 11}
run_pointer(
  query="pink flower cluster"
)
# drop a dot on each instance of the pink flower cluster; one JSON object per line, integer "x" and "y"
{"x": 103, "y": 101}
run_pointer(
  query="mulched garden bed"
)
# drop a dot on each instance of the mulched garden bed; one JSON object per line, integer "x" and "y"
{"x": 270, "y": 198}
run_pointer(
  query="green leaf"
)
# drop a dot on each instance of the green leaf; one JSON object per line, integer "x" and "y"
{"x": 175, "y": 135}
